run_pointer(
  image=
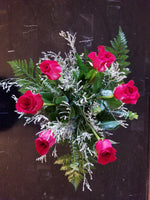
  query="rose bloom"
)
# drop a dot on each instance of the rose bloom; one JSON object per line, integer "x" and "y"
{"x": 29, "y": 103}
{"x": 51, "y": 69}
{"x": 106, "y": 153}
{"x": 45, "y": 140}
{"x": 103, "y": 60}
{"x": 127, "y": 93}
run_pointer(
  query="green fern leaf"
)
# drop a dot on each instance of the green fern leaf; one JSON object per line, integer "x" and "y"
{"x": 75, "y": 178}
{"x": 120, "y": 49}
{"x": 68, "y": 172}
{"x": 65, "y": 168}
{"x": 73, "y": 165}
{"x": 63, "y": 159}
{"x": 84, "y": 69}
{"x": 31, "y": 67}
{"x": 27, "y": 75}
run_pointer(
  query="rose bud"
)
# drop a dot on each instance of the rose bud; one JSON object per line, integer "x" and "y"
{"x": 51, "y": 69}
{"x": 29, "y": 103}
{"x": 45, "y": 140}
{"x": 106, "y": 153}
{"x": 103, "y": 60}
{"x": 127, "y": 93}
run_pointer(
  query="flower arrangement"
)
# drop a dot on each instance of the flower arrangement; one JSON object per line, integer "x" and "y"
{"x": 77, "y": 100}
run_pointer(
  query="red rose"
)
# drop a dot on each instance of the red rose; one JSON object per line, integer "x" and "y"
{"x": 106, "y": 153}
{"x": 103, "y": 60}
{"x": 127, "y": 93}
{"x": 29, "y": 103}
{"x": 45, "y": 140}
{"x": 51, "y": 68}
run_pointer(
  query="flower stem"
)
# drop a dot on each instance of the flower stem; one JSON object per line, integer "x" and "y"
{"x": 48, "y": 104}
{"x": 93, "y": 76}
{"x": 98, "y": 138}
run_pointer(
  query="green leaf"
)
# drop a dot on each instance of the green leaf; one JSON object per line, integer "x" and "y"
{"x": 105, "y": 116}
{"x": 72, "y": 114}
{"x": 90, "y": 74}
{"x": 98, "y": 81}
{"x": 47, "y": 97}
{"x": 119, "y": 50}
{"x": 26, "y": 74}
{"x": 52, "y": 115}
{"x": 59, "y": 100}
{"x": 50, "y": 86}
{"x": 122, "y": 57}
{"x": 112, "y": 103}
{"x": 84, "y": 69}
{"x": 110, "y": 49}
{"x": 31, "y": 67}
{"x": 74, "y": 166}
{"x": 132, "y": 115}
{"x": 81, "y": 65}
{"x": 64, "y": 168}
{"x": 68, "y": 172}
{"x": 63, "y": 159}
{"x": 110, "y": 125}
{"x": 75, "y": 179}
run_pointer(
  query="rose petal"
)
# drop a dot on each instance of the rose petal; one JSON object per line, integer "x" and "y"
{"x": 127, "y": 93}
{"x": 29, "y": 103}
{"x": 103, "y": 60}
{"x": 106, "y": 153}
{"x": 39, "y": 101}
{"x": 51, "y": 68}
{"x": 101, "y": 51}
{"x": 42, "y": 146}
{"x": 102, "y": 145}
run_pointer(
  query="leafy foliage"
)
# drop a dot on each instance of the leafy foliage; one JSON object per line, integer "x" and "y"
{"x": 120, "y": 50}
{"x": 84, "y": 69}
{"x": 79, "y": 107}
{"x": 73, "y": 167}
{"x": 112, "y": 103}
{"x": 110, "y": 125}
{"x": 27, "y": 75}
{"x": 132, "y": 115}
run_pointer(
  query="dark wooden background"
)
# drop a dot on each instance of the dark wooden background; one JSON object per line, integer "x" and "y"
{"x": 28, "y": 27}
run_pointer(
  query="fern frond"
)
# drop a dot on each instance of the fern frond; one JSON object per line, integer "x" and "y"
{"x": 65, "y": 168}
{"x": 75, "y": 178}
{"x": 63, "y": 159}
{"x": 120, "y": 49}
{"x": 73, "y": 165}
{"x": 27, "y": 75}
